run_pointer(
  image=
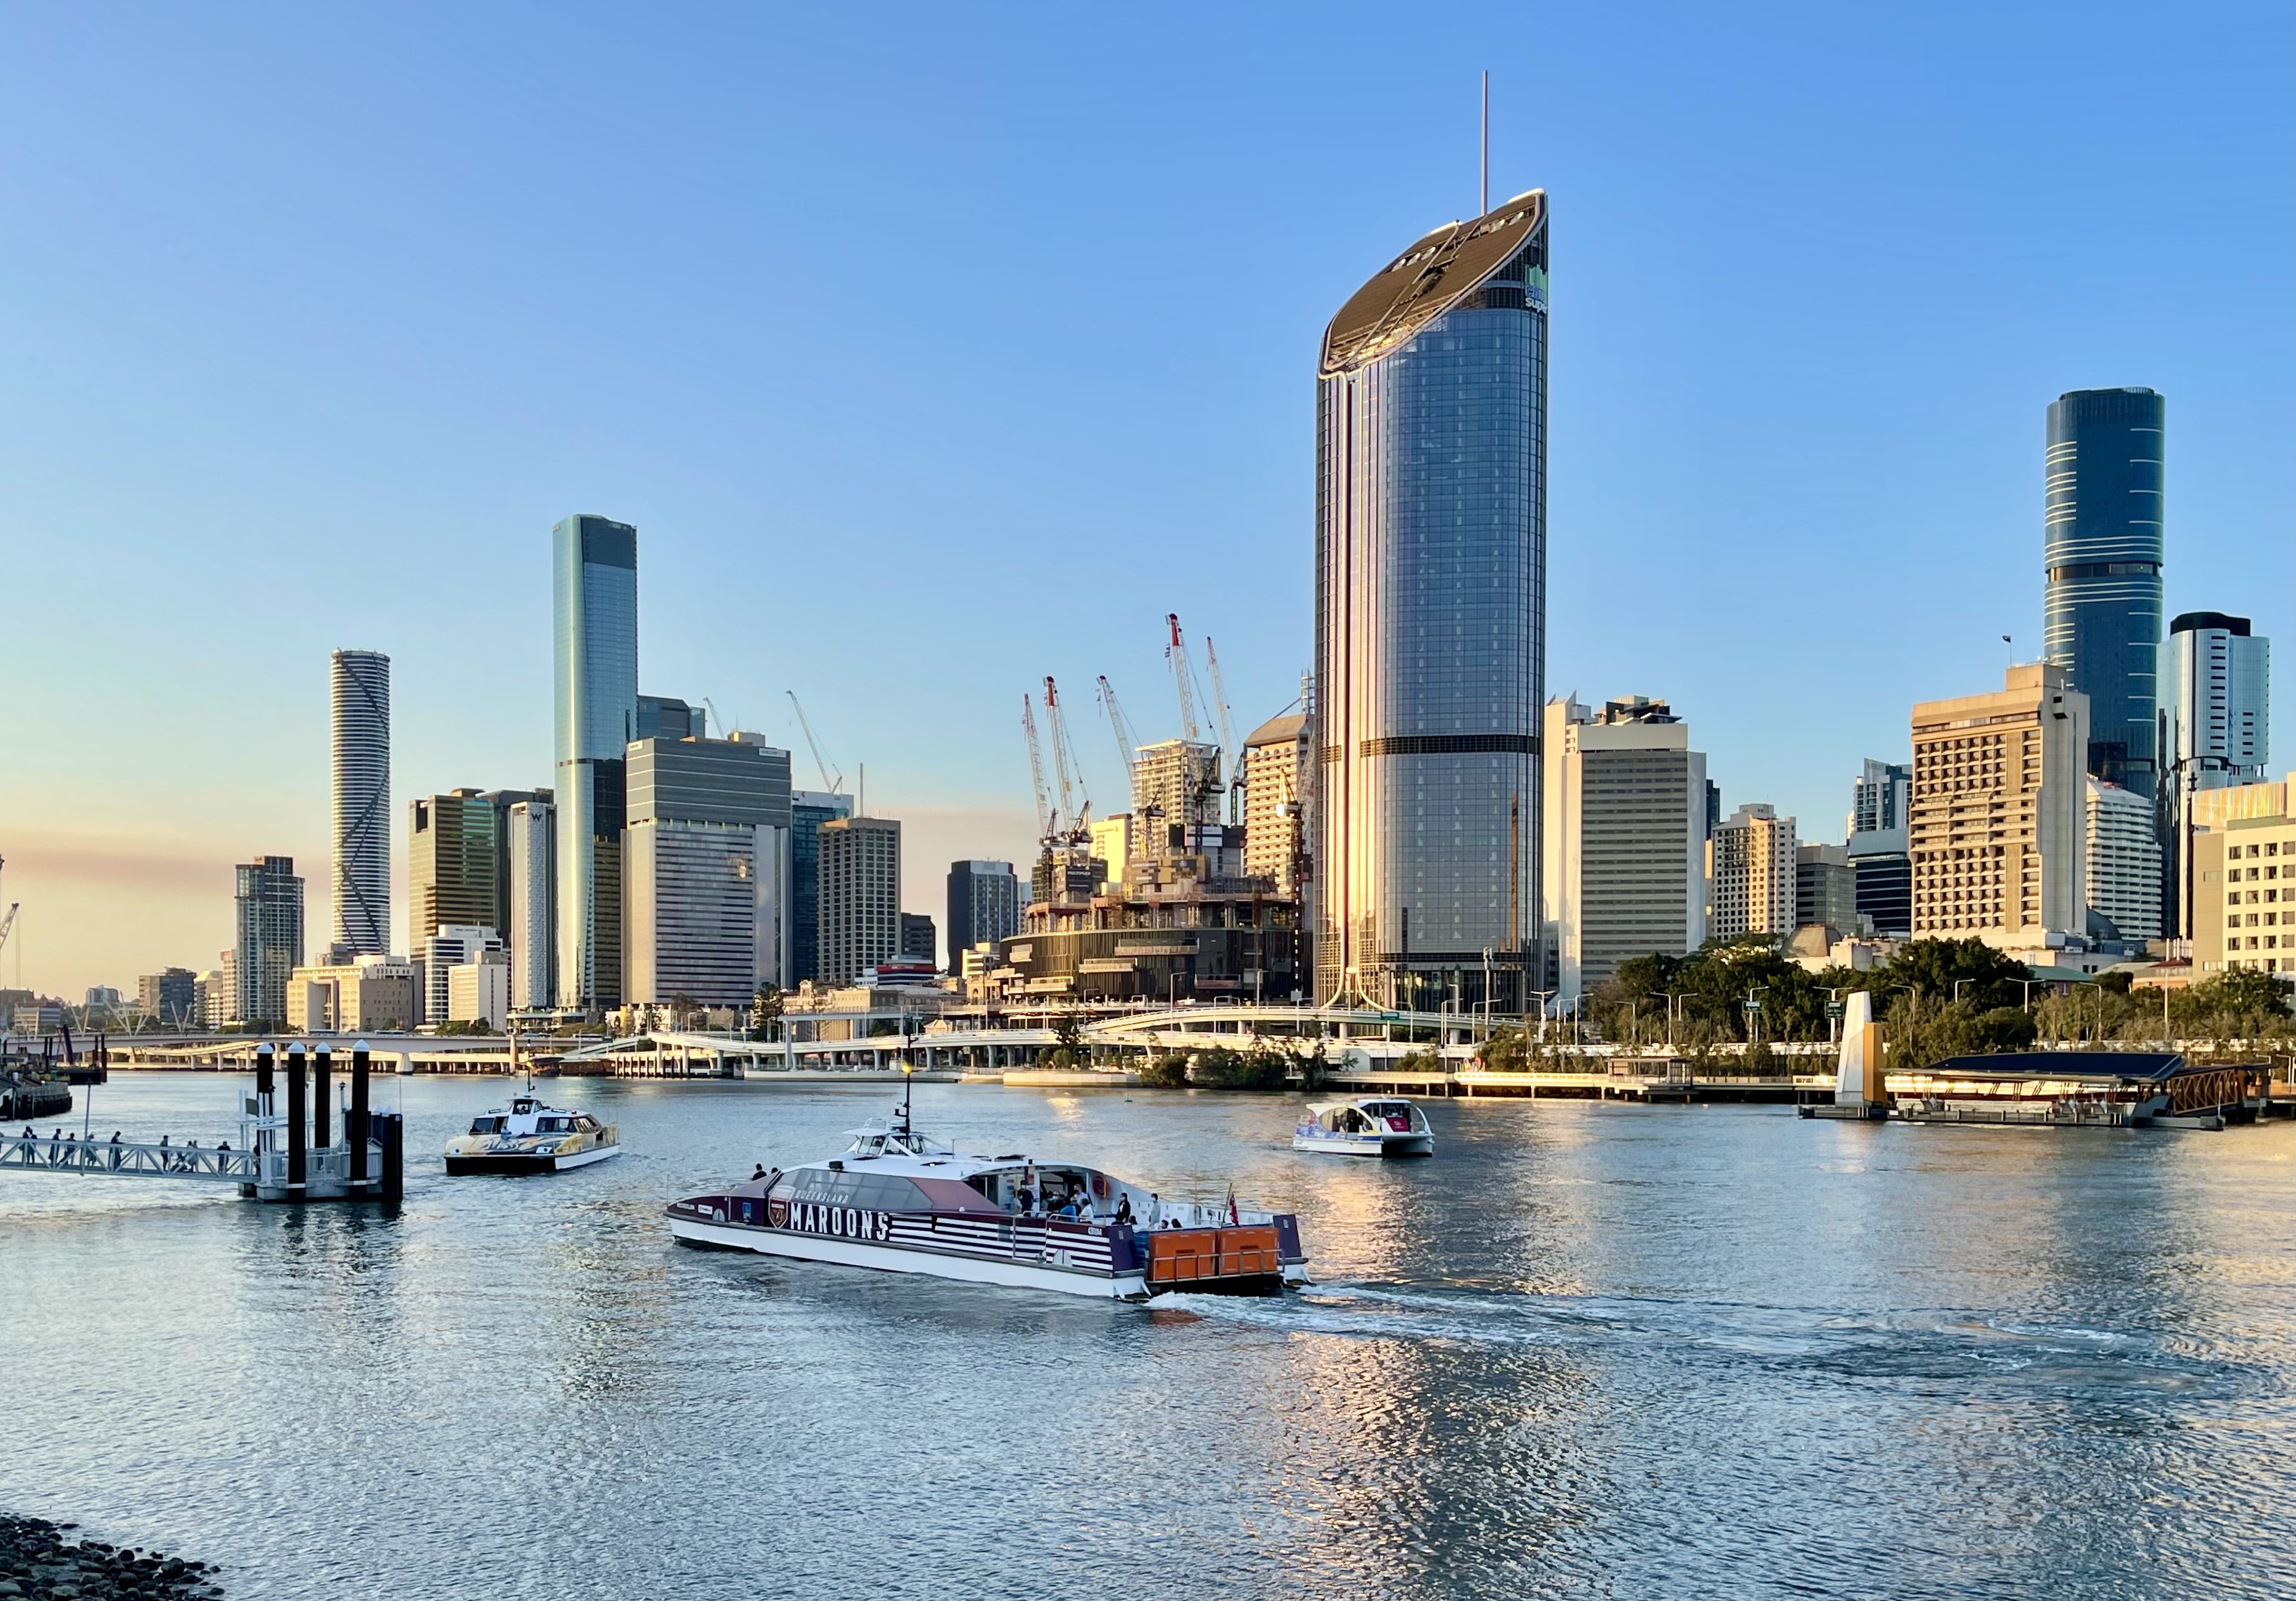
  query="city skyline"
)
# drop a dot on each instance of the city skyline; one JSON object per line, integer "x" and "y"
{"x": 1822, "y": 555}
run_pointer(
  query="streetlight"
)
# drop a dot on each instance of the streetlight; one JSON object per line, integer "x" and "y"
{"x": 1834, "y": 1016}
{"x": 1754, "y": 1009}
{"x": 1672, "y": 997}
{"x": 1957, "y": 983}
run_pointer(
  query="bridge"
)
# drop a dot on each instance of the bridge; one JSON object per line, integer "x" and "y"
{"x": 116, "y": 1158}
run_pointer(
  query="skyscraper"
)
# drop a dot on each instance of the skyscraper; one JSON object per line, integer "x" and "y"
{"x": 984, "y": 903}
{"x": 1624, "y": 873}
{"x": 269, "y": 916}
{"x": 706, "y": 866}
{"x": 2122, "y": 871}
{"x": 595, "y": 615}
{"x": 860, "y": 896}
{"x": 1275, "y": 778}
{"x": 2215, "y": 712}
{"x": 2104, "y": 549}
{"x": 530, "y": 856}
{"x": 1998, "y": 818}
{"x": 1753, "y": 860}
{"x": 808, "y": 810}
{"x": 454, "y": 862}
{"x": 1430, "y": 613}
{"x": 1881, "y": 805}
{"x": 360, "y": 683}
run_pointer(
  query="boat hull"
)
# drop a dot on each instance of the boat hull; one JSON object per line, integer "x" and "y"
{"x": 1366, "y": 1145}
{"x": 895, "y": 1259}
{"x": 517, "y": 1162}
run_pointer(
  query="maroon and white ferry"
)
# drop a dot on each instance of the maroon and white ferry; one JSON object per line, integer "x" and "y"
{"x": 898, "y": 1201}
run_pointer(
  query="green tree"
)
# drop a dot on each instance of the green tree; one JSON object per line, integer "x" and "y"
{"x": 764, "y": 1011}
{"x": 1068, "y": 1048}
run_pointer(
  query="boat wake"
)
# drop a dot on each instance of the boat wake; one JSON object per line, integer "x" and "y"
{"x": 1942, "y": 1345}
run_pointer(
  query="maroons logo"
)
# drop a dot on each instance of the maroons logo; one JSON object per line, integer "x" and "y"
{"x": 777, "y": 1213}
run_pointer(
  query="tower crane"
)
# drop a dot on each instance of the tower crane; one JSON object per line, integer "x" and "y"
{"x": 1127, "y": 749}
{"x": 9, "y": 921}
{"x": 1036, "y": 770}
{"x": 1178, "y": 655}
{"x": 1077, "y": 817}
{"x": 1233, "y": 758}
{"x": 814, "y": 745}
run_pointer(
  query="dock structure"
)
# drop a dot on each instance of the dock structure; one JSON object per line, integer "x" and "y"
{"x": 292, "y": 1156}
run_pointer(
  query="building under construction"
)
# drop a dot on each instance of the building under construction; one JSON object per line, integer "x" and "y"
{"x": 1164, "y": 909}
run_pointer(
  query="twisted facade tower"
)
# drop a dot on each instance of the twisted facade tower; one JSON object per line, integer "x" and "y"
{"x": 1431, "y": 622}
{"x": 361, "y": 783}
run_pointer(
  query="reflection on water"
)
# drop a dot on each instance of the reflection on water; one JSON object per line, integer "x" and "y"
{"x": 1584, "y": 1351}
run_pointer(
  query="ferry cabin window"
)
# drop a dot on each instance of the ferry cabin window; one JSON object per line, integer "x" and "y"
{"x": 486, "y": 1125}
{"x": 556, "y": 1125}
{"x": 870, "y": 1192}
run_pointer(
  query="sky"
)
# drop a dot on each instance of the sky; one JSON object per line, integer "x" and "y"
{"x": 933, "y": 349}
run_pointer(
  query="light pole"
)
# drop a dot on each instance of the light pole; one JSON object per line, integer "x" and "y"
{"x": 1833, "y": 1017}
{"x": 1754, "y": 1009}
{"x": 1957, "y": 983}
{"x": 1542, "y": 997}
{"x": 1672, "y": 997}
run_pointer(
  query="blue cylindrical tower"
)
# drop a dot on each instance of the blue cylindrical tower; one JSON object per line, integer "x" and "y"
{"x": 1431, "y": 622}
{"x": 2102, "y": 549}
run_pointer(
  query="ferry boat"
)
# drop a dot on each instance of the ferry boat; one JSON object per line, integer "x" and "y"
{"x": 528, "y": 1137}
{"x": 1375, "y": 1126}
{"x": 898, "y": 1201}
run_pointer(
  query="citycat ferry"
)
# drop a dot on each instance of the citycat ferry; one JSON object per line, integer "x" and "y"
{"x": 898, "y": 1201}
{"x": 1375, "y": 1126}
{"x": 528, "y": 1137}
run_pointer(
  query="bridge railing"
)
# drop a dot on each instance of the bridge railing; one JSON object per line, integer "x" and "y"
{"x": 44, "y": 1154}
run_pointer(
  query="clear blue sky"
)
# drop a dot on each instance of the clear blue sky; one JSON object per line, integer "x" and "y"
{"x": 935, "y": 348}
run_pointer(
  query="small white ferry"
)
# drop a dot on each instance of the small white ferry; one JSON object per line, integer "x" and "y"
{"x": 528, "y": 1137}
{"x": 897, "y": 1200}
{"x": 1376, "y": 1126}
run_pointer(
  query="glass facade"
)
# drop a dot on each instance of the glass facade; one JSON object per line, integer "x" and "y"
{"x": 360, "y": 683}
{"x": 808, "y": 810}
{"x": 1430, "y": 621}
{"x": 2102, "y": 549}
{"x": 594, "y": 617}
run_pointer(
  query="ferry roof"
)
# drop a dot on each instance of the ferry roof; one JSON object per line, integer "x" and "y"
{"x": 1439, "y": 269}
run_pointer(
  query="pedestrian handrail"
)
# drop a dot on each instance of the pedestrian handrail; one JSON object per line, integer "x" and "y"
{"x": 46, "y": 1153}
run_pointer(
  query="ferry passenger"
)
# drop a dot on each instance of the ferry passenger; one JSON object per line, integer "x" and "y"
{"x": 1027, "y": 1199}
{"x": 760, "y": 1173}
{"x": 1124, "y": 1209}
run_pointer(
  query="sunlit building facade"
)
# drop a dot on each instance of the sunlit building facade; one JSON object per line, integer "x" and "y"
{"x": 594, "y": 617}
{"x": 1431, "y": 605}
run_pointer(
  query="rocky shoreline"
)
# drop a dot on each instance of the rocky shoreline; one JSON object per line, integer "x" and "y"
{"x": 38, "y": 1560}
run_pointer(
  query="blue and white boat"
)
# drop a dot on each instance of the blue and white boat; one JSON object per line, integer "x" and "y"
{"x": 900, "y": 1202}
{"x": 1375, "y": 1126}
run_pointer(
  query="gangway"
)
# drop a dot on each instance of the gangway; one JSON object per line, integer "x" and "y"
{"x": 289, "y": 1156}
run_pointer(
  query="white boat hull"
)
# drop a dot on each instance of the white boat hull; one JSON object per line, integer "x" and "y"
{"x": 1366, "y": 1145}
{"x": 513, "y": 1163}
{"x": 857, "y": 1253}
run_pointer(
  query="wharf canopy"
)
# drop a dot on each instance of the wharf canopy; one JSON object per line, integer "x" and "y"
{"x": 1430, "y": 610}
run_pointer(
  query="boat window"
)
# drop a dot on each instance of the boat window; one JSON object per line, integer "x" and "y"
{"x": 555, "y": 1125}
{"x": 486, "y": 1125}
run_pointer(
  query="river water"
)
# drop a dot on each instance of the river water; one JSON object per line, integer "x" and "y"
{"x": 1584, "y": 1350}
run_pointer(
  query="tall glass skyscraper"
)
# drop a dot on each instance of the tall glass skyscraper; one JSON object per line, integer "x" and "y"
{"x": 1431, "y": 619}
{"x": 360, "y": 685}
{"x": 2104, "y": 549}
{"x": 595, "y": 616}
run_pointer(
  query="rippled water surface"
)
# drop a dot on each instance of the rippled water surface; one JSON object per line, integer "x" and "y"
{"x": 1586, "y": 1350}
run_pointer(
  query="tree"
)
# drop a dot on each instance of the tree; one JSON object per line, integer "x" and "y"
{"x": 764, "y": 1011}
{"x": 1070, "y": 1049}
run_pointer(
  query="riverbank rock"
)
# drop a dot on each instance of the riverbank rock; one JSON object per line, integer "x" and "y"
{"x": 39, "y": 1563}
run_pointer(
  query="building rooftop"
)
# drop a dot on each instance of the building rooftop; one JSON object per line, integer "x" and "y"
{"x": 1439, "y": 270}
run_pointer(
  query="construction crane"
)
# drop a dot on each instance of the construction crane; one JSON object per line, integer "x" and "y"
{"x": 1233, "y": 758}
{"x": 1127, "y": 749}
{"x": 1178, "y": 655}
{"x": 1077, "y": 817}
{"x": 834, "y": 784}
{"x": 1036, "y": 770}
{"x": 8, "y": 922}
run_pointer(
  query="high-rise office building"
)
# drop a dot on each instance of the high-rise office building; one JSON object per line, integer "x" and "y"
{"x": 2241, "y": 917}
{"x": 860, "y": 896}
{"x": 1275, "y": 775}
{"x": 1999, "y": 823}
{"x": 2214, "y": 729}
{"x": 453, "y": 945}
{"x": 170, "y": 995}
{"x": 530, "y": 857}
{"x": 595, "y": 614}
{"x": 1624, "y": 837}
{"x": 2123, "y": 866}
{"x": 1751, "y": 865}
{"x": 808, "y": 810}
{"x": 1430, "y": 618}
{"x": 666, "y": 717}
{"x": 1825, "y": 888}
{"x": 454, "y": 862}
{"x": 984, "y": 904}
{"x": 1880, "y": 806}
{"x": 269, "y": 915}
{"x": 920, "y": 940}
{"x": 705, "y": 898}
{"x": 1882, "y": 797}
{"x": 2103, "y": 548}
{"x": 360, "y": 683}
